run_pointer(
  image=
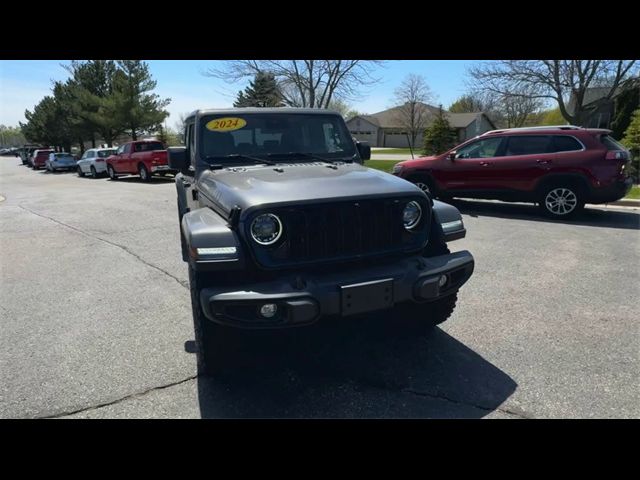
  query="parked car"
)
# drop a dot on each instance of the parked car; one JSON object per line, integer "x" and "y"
{"x": 60, "y": 161}
{"x": 94, "y": 162}
{"x": 26, "y": 153}
{"x": 144, "y": 158}
{"x": 282, "y": 226}
{"x": 560, "y": 168}
{"x": 39, "y": 158}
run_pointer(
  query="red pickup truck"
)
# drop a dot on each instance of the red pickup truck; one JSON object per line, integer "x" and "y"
{"x": 144, "y": 158}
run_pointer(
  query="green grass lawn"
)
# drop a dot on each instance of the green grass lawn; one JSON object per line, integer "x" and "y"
{"x": 634, "y": 193}
{"x": 394, "y": 151}
{"x": 384, "y": 165}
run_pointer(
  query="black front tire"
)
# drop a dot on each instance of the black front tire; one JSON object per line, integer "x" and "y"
{"x": 80, "y": 172}
{"x": 94, "y": 172}
{"x": 218, "y": 348}
{"x": 112, "y": 173}
{"x": 421, "y": 318}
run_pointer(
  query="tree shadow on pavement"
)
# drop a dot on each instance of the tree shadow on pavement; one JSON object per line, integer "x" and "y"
{"x": 357, "y": 369}
{"x": 592, "y": 216}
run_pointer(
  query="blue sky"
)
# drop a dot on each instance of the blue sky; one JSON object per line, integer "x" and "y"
{"x": 23, "y": 83}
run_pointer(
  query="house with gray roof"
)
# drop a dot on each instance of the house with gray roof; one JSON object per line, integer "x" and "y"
{"x": 600, "y": 103}
{"x": 384, "y": 129}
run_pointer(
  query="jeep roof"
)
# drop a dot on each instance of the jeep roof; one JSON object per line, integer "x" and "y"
{"x": 294, "y": 110}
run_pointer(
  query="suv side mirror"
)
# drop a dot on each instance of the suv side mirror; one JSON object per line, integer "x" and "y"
{"x": 177, "y": 157}
{"x": 364, "y": 149}
{"x": 452, "y": 155}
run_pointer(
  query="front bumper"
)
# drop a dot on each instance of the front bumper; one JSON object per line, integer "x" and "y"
{"x": 302, "y": 299}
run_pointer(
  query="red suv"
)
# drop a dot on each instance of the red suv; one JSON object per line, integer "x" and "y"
{"x": 560, "y": 168}
{"x": 39, "y": 158}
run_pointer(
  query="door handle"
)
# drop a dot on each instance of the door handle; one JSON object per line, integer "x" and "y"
{"x": 543, "y": 162}
{"x": 484, "y": 164}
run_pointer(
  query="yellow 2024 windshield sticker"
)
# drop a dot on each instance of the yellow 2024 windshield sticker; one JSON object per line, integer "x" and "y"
{"x": 226, "y": 124}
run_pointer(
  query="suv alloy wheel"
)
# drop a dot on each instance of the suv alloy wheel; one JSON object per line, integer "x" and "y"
{"x": 561, "y": 201}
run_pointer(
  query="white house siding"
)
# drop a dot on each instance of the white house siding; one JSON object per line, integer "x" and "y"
{"x": 363, "y": 131}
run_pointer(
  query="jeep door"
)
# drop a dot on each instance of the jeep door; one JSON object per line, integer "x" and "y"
{"x": 526, "y": 158}
{"x": 469, "y": 170}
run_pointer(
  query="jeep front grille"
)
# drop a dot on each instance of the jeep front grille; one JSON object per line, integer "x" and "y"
{"x": 342, "y": 231}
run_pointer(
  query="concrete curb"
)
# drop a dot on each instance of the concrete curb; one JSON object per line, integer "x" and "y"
{"x": 627, "y": 202}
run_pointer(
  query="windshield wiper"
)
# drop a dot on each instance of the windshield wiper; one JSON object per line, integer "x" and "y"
{"x": 237, "y": 156}
{"x": 300, "y": 154}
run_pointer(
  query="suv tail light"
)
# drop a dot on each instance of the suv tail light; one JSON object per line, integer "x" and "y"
{"x": 617, "y": 155}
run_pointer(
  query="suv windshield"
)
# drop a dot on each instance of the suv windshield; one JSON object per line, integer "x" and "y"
{"x": 258, "y": 134}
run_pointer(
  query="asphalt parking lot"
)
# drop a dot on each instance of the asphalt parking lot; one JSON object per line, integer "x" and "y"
{"x": 95, "y": 319}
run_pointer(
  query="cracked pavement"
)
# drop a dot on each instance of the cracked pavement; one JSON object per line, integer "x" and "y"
{"x": 95, "y": 320}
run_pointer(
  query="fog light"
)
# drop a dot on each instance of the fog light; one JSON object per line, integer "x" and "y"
{"x": 268, "y": 310}
{"x": 442, "y": 281}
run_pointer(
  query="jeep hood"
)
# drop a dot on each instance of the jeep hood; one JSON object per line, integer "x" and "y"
{"x": 260, "y": 186}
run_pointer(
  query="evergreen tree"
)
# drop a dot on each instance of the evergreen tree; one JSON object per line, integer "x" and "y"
{"x": 439, "y": 136}
{"x": 263, "y": 91}
{"x": 131, "y": 103}
{"x": 92, "y": 83}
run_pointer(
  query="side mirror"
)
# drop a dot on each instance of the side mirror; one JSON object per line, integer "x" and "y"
{"x": 452, "y": 155}
{"x": 177, "y": 157}
{"x": 364, "y": 149}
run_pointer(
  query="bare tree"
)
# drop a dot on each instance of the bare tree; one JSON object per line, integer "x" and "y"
{"x": 411, "y": 97}
{"x": 179, "y": 125}
{"x": 518, "y": 109}
{"x": 559, "y": 80}
{"x": 306, "y": 83}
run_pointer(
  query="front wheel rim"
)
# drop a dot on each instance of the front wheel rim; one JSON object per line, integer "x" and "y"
{"x": 423, "y": 186}
{"x": 143, "y": 173}
{"x": 561, "y": 201}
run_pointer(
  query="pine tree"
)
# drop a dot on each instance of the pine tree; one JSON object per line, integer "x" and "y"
{"x": 132, "y": 103}
{"x": 262, "y": 91}
{"x": 439, "y": 136}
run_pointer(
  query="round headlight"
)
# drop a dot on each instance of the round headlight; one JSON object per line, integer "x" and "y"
{"x": 266, "y": 229}
{"x": 411, "y": 215}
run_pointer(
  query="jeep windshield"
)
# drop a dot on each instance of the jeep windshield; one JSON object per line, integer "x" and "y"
{"x": 278, "y": 137}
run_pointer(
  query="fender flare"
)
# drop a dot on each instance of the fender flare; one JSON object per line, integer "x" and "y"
{"x": 450, "y": 220}
{"x": 211, "y": 243}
